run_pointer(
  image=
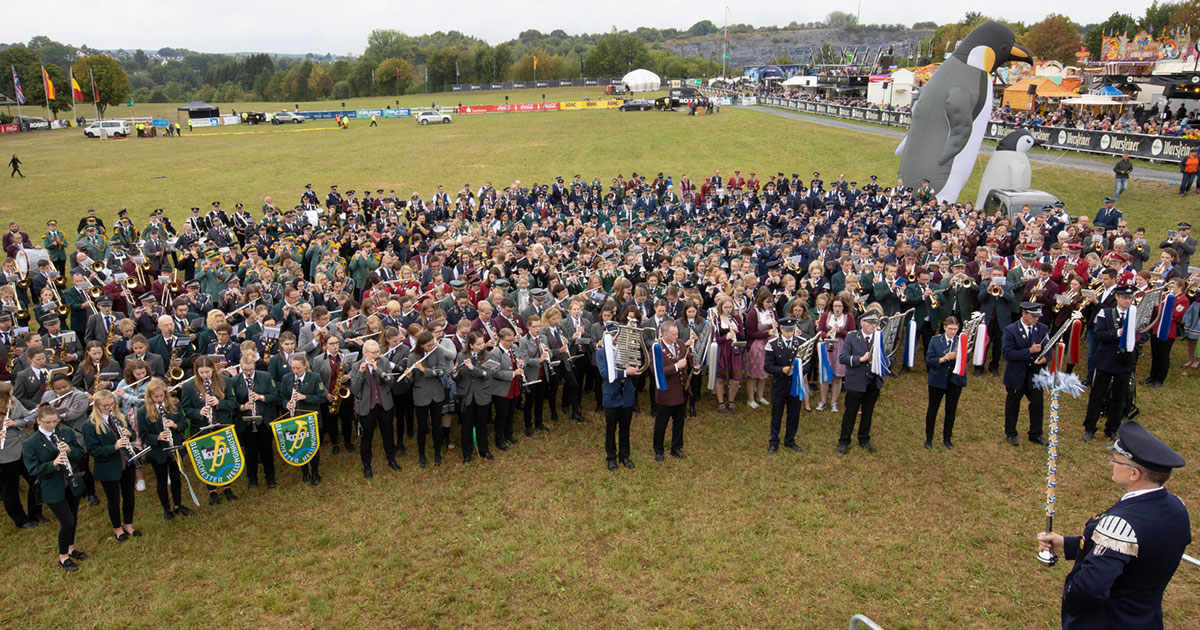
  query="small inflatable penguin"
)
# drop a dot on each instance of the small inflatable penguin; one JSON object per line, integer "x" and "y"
{"x": 950, "y": 115}
{"x": 1009, "y": 165}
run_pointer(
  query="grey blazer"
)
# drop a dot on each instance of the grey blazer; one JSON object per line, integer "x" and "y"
{"x": 502, "y": 377}
{"x": 427, "y": 386}
{"x": 24, "y": 419}
{"x": 473, "y": 385}
{"x": 398, "y": 357}
{"x": 529, "y": 356}
{"x": 360, "y": 387}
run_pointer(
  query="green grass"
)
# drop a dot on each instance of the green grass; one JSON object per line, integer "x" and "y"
{"x": 545, "y": 536}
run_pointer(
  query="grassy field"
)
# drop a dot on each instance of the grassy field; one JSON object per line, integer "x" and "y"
{"x": 545, "y": 536}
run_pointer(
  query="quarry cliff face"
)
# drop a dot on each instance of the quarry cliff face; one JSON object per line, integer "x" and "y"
{"x": 800, "y": 46}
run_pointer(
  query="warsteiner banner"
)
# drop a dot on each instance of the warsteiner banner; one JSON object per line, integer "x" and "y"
{"x": 216, "y": 456}
{"x": 297, "y": 438}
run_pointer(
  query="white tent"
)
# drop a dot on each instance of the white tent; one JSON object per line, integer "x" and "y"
{"x": 642, "y": 80}
{"x": 1096, "y": 100}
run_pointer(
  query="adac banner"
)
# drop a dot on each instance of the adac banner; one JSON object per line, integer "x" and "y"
{"x": 608, "y": 104}
{"x": 297, "y": 438}
{"x": 216, "y": 456}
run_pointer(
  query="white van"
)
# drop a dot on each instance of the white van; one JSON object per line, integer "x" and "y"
{"x": 112, "y": 128}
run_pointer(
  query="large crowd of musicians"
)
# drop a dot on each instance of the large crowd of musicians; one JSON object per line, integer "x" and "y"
{"x": 494, "y": 310}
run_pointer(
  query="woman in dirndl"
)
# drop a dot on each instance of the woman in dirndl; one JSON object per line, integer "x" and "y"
{"x": 730, "y": 336}
{"x": 833, "y": 326}
{"x": 760, "y": 327}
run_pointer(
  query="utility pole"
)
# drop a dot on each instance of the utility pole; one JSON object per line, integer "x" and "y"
{"x": 725, "y": 43}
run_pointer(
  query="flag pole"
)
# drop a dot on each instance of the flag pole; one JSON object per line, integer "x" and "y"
{"x": 95, "y": 94}
{"x": 46, "y": 93}
{"x": 71, "y": 76}
{"x": 17, "y": 87}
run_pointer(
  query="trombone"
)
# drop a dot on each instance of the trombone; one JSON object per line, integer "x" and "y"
{"x": 62, "y": 309}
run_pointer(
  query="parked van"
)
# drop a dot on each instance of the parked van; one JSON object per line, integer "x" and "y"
{"x": 112, "y": 128}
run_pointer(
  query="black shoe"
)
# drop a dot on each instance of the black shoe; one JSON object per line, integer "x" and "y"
{"x": 78, "y": 555}
{"x": 599, "y": 409}
{"x": 316, "y": 480}
{"x": 867, "y": 446}
{"x": 304, "y": 478}
{"x": 577, "y": 416}
{"x": 466, "y": 459}
{"x": 678, "y": 454}
{"x": 135, "y": 533}
{"x": 27, "y": 525}
{"x": 843, "y": 448}
{"x": 994, "y": 371}
{"x": 1039, "y": 440}
{"x": 400, "y": 449}
{"x": 229, "y": 495}
{"x": 168, "y": 516}
{"x": 393, "y": 465}
{"x": 336, "y": 449}
{"x": 1144, "y": 381}
{"x": 367, "y": 474}
{"x": 253, "y": 483}
{"x": 929, "y": 444}
{"x": 349, "y": 447}
{"x": 658, "y": 457}
{"x": 38, "y": 518}
{"x": 979, "y": 371}
{"x": 501, "y": 445}
{"x": 182, "y": 510}
{"x": 1088, "y": 436}
{"x": 93, "y": 500}
{"x": 1012, "y": 439}
{"x": 529, "y": 432}
{"x": 271, "y": 484}
{"x": 422, "y": 462}
{"x": 772, "y": 449}
{"x": 542, "y": 427}
{"x": 692, "y": 411}
{"x": 628, "y": 463}
{"x": 486, "y": 456}
{"x": 437, "y": 459}
{"x": 122, "y": 537}
{"x": 948, "y": 444}
{"x": 68, "y": 565}
{"x": 214, "y": 498}
{"x": 1153, "y": 384}
{"x": 612, "y": 464}
{"x": 1111, "y": 435}
{"x": 794, "y": 447}
{"x": 510, "y": 439}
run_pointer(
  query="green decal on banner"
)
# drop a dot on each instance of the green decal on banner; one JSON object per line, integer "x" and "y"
{"x": 216, "y": 456}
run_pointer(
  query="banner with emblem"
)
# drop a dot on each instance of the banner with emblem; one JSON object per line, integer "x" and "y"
{"x": 297, "y": 438}
{"x": 216, "y": 456}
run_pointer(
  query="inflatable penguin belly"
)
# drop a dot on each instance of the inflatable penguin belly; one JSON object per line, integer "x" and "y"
{"x": 1009, "y": 166}
{"x": 952, "y": 111}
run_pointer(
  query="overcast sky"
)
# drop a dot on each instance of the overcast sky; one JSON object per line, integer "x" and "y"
{"x": 321, "y": 26}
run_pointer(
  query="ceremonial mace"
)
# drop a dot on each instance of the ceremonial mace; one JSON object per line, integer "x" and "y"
{"x": 1057, "y": 382}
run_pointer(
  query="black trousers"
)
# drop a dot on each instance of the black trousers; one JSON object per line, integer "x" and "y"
{"x": 584, "y": 374}
{"x": 67, "y": 513}
{"x": 343, "y": 419}
{"x": 405, "y": 416}
{"x": 569, "y": 382}
{"x": 10, "y": 487}
{"x": 616, "y": 432}
{"x": 674, "y": 414}
{"x": 783, "y": 402}
{"x": 994, "y": 335}
{"x": 119, "y": 495}
{"x": 535, "y": 396}
{"x": 1110, "y": 388}
{"x": 259, "y": 446}
{"x": 1012, "y": 406}
{"x": 1160, "y": 358}
{"x": 936, "y": 394}
{"x": 382, "y": 418}
{"x": 425, "y": 414}
{"x": 505, "y": 407}
{"x": 475, "y": 417}
{"x": 925, "y": 332}
{"x": 598, "y": 385}
{"x": 168, "y": 470}
{"x": 695, "y": 384}
{"x": 855, "y": 401}
{"x": 313, "y": 467}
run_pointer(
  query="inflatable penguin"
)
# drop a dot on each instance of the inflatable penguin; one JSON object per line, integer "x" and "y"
{"x": 1009, "y": 165}
{"x": 952, "y": 111}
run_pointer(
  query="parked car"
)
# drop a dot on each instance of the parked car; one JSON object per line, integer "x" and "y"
{"x": 637, "y": 105}
{"x": 1010, "y": 200}
{"x": 254, "y": 118}
{"x": 432, "y": 116}
{"x": 287, "y": 117}
{"x": 112, "y": 128}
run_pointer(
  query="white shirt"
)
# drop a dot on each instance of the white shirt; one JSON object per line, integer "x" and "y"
{"x": 1138, "y": 493}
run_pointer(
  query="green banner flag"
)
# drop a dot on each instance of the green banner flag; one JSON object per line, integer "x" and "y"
{"x": 297, "y": 438}
{"x": 216, "y": 456}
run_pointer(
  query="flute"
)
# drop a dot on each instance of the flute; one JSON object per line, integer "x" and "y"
{"x": 417, "y": 362}
{"x": 4, "y": 423}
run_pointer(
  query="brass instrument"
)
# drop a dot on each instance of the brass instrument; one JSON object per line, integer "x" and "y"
{"x": 95, "y": 292}
{"x": 912, "y": 276}
{"x": 60, "y": 281}
{"x": 97, "y": 266}
{"x": 131, "y": 282}
{"x": 1071, "y": 297}
{"x": 24, "y": 279}
{"x": 62, "y": 309}
{"x": 174, "y": 372}
{"x": 58, "y": 358}
{"x": 996, "y": 290}
{"x": 22, "y": 315}
{"x": 340, "y": 392}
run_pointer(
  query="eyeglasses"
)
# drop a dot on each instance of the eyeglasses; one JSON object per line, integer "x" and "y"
{"x": 1113, "y": 461}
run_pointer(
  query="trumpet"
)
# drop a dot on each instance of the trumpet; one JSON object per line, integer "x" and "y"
{"x": 97, "y": 266}
{"x": 996, "y": 290}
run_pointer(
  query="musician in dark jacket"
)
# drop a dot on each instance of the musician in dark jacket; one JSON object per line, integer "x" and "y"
{"x": 780, "y": 353}
{"x": 620, "y": 396}
{"x": 670, "y": 401}
{"x": 1114, "y": 366}
{"x": 425, "y": 369}
{"x": 475, "y": 397}
{"x": 47, "y": 455}
{"x": 302, "y": 391}
{"x": 862, "y": 382}
{"x": 162, "y": 426}
{"x": 257, "y": 402}
{"x": 505, "y": 385}
{"x": 940, "y": 358}
{"x": 1021, "y": 343}
{"x": 373, "y": 404}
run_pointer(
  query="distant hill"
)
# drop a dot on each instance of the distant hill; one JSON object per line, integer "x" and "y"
{"x": 800, "y": 45}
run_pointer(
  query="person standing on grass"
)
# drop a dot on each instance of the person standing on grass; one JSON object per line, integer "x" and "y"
{"x": 16, "y": 163}
{"x": 1122, "y": 169}
{"x": 1188, "y": 167}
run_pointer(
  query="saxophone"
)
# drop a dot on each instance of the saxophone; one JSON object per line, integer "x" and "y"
{"x": 340, "y": 392}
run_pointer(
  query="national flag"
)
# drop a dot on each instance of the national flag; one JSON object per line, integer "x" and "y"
{"x": 1128, "y": 333}
{"x": 979, "y": 352}
{"x": 880, "y": 363}
{"x": 660, "y": 368}
{"x": 49, "y": 85}
{"x": 17, "y": 87}
{"x": 799, "y": 382}
{"x": 824, "y": 367}
{"x": 95, "y": 91}
{"x": 76, "y": 92}
{"x": 910, "y": 344}
{"x": 960, "y": 357}
{"x": 1165, "y": 314}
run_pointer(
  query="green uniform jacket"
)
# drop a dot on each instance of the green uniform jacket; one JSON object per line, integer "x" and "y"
{"x": 913, "y": 299}
{"x": 263, "y": 385}
{"x": 38, "y": 454}
{"x": 213, "y": 282}
{"x": 59, "y": 253}
{"x": 79, "y": 315}
{"x": 192, "y": 403}
{"x": 150, "y": 430}
{"x": 360, "y": 268}
{"x": 312, "y": 388}
{"x": 276, "y": 368}
{"x": 158, "y": 345}
{"x": 106, "y": 464}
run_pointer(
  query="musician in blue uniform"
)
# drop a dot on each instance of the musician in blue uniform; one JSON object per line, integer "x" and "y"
{"x": 1129, "y": 552}
{"x": 779, "y": 355}
{"x": 1021, "y": 343}
{"x": 944, "y": 382}
{"x": 619, "y": 400}
{"x": 1114, "y": 366}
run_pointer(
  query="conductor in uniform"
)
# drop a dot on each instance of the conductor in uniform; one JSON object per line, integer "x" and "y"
{"x": 862, "y": 382}
{"x": 780, "y": 353}
{"x": 1129, "y": 552}
{"x": 670, "y": 400}
{"x": 1114, "y": 366}
{"x": 1021, "y": 343}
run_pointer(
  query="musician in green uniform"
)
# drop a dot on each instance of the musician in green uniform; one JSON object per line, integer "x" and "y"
{"x": 51, "y": 455}
{"x": 55, "y": 244}
{"x": 162, "y": 425}
{"x": 208, "y": 402}
{"x": 302, "y": 391}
